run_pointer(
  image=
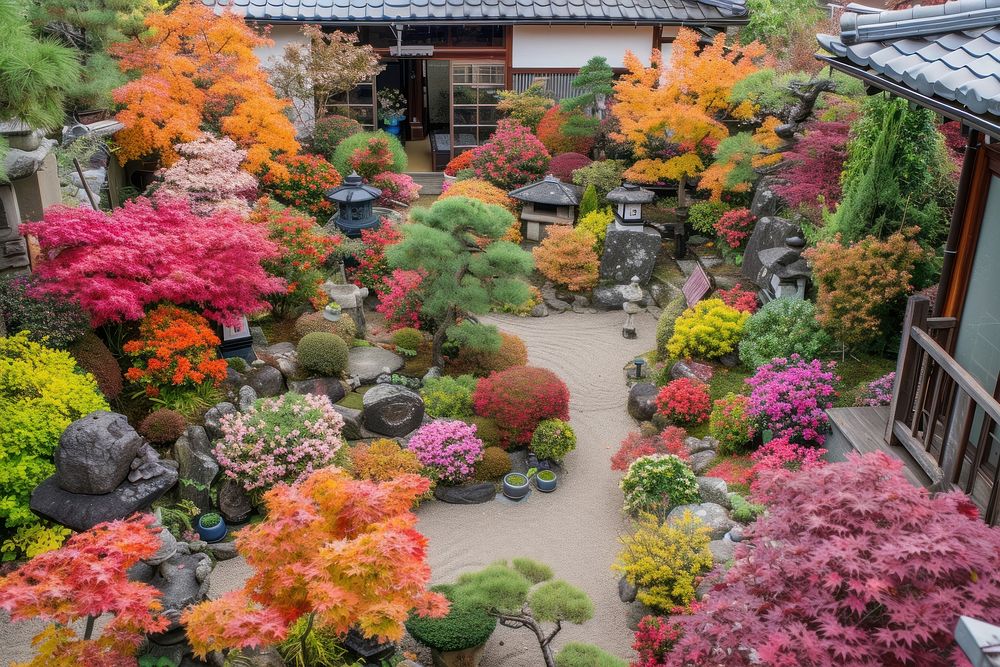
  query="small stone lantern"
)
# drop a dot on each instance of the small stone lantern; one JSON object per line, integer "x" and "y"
{"x": 354, "y": 199}
{"x": 628, "y": 200}
{"x": 633, "y": 297}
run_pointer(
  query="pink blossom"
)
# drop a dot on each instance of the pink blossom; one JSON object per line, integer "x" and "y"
{"x": 449, "y": 448}
{"x": 209, "y": 175}
{"x": 790, "y": 397}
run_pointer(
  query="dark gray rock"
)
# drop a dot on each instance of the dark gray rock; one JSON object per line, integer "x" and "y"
{"x": 541, "y": 310}
{"x": 353, "y": 427}
{"x": 332, "y": 388}
{"x": 469, "y": 494}
{"x": 433, "y": 373}
{"x": 695, "y": 445}
{"x": 247, "y": 397}
{"x": 627, "y": 591}
{"x": 197, "y": 472}
{"x": 714, "y": 490}
{"x": 266, "y": 380}
{"x": 82, "y": 511}
{"x": 735, "y": 533}
{"x": 770, "y": 232}
{"x": 392, "y": 410}
{"x": 282, "y": 356}
{"x": 369, "y": 362}
{"x": 198, "y": 439}
{"x": 182, "y": 580}
{"x": 95, "y": 453}
{"x": 234, "y": 504}
{"x": 731, "y": 360}
{"x": 700, "y": 461}
{"x": 168, "y": 547}
{"x": 612, "y": 297}
{"x": 765, "y": 201}
{"x": 722, "y": 550}
{"x": 642, "y": 401}
{"x": 222, "y": 550}
{"x": 145, "y": 465}
{"x": 213, "y": 418}
{"x": 628, "y": 253}
{"x": 714, "y": 516}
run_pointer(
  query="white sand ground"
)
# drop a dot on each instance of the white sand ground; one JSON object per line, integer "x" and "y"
{"x": 575, "y": 529}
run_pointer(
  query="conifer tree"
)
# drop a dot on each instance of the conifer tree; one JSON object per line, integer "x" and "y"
{"x": 587, "y": 110}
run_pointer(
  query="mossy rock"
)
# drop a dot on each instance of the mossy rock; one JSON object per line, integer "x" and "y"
{"x": 309, "y": 323}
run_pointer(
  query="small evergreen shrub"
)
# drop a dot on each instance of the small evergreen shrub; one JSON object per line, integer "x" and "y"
{"x": 684, "y": 401}
{"x": 596, "y": 224}
{"x": 449, "y": 397}
{"x": 54, "y": 319}
{"x": 638, "y": 444}
{"x": 667, "y": 322}
{"x": 518, "y": 399}
{"x": 383, "y": 460}
{"x": 162, "y": 426}
{"x": 494, "y": 464}
{"x": 551, "y": 133}
{"x": 744, "y": 511}
{"x": 93, "y": 356}
{"x": 512, "y": 354}
{"x": 330, "y": 131}
{"x": 575, "y": 654}
{"x": 407, "y": 338}
{"x": 369, "y": 153}
{"x": 665, "y": 560}
{"x": 589, "y": 202}
{"x": 704, "y": 215}
{"x": 309, "y": 323}
{"x": 567, "y": 258}
{"x": 657, "y": 483}
{"x": 486, "y": 429}
{"x": 465, "y": 626}
{"x": 448, "y": 449}
{"x": 730, "y": 424}
{"x": 782, "y": 327}
{"x": 709, "y": 330}
{"x": 604, "y": 175}
{"x": 323, "y": 353}
{"x": 553, "y": 439}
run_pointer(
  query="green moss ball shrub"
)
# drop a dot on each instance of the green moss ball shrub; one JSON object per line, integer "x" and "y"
{"x": 494, "y": 464}
{"x": 313, "y": 322}
{"x": 330, "y": 131}
{"x": 709, "y": 330}
{"x": 731, "y": 425}
{"x": 744, "y": 511}
{"x": 323, "y": 353}
{"x": 93, "y": 356}
{"x": 553, "y": 439}
{"x": 480, "y": 363}
{"x": 408, "y": 338}
{"x": 518, "y": 399}
{"x": 704, "y": 215}
{"x": 486, "y": 429}
{"x": 781, "y": 328}
{"x": 369, "y": 153}
{"x": 665, "y": 325}
{"x": 162, "y": 426}
{"x": 575, "y": 654}
{"x": 449, "y": 397}
{"x": 465, "y": 626}
{"x": 658, "y": 482}
{"x": 47, "y": 318}
{"x": 42, "y": 391}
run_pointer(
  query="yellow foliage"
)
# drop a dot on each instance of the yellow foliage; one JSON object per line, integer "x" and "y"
{"x": 664, "y": 560}
{"x": 709, "y": 330}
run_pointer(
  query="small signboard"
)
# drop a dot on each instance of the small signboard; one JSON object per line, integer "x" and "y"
{"x": 237, "y": 341}
{"x": 697, "y": 286}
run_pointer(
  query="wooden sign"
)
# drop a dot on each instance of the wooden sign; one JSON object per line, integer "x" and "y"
{"x": 697, "y": 286}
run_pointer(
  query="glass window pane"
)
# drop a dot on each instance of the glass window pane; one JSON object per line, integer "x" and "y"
{"x": 489, "y": 95}
{"x": 461, "y": 73}
{"x": 484, "y": 133}
{"x": 362, "y": 94}
{"x": 487, "y": 115}
{"x": 465, "y": 95}
{"x": 465, "y": 116}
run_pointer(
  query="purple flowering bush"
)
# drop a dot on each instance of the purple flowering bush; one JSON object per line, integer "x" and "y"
{"x": 790, "y": 396}
{"x": 281, "y": 439}
{"x": 878, "y": 392}
{"x": 449, "y": 449}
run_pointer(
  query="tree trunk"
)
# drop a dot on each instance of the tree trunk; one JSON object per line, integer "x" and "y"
{"x": 437, "y": 355}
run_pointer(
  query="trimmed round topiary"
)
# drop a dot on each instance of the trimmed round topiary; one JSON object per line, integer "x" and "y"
{"x": 323, "y": 353}
{"x": 369, "y": 153}
{"x": 519, "y": 398}
{"x": 93, "y": 356}
{"x": 313, "y": 322}
{"x": 553, "y": 439}
{"x": 512, "y": 353}
{"x": 708, "y": 330}
{"x": 658, "y": 482}
{"x": 781, "y": 328}
{"x": 330, "y": 131}
{"x": 575, "y": 654}
{"x": 408, "y": 338}
{"x": 494, "y": 464}
{"x": 466, "y": 626}
{"x": 162, "y": 426}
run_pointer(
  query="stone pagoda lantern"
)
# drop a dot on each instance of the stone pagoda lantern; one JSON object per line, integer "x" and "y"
{"x": 354, "y": 199}
{"x": 547, "y": 202}
{"x": 631, "y": 248}
{"x": 628, "y": 200}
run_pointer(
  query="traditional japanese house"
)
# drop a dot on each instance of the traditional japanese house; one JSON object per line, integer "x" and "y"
{"x": 944, "y": 413}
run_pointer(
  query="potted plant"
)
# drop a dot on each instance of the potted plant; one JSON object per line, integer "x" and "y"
{"x": 545, "y": 481}
{"x": 391, "y": 109}
{"x": 455, "y": 640}
{"x": 516, "y": 485}
{"x": 211, "y": 527}
{"x": 332, "y": 311}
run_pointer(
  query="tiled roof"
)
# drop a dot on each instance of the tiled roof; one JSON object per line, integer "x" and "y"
{"x": 498, "y": 11}
{"x": 549, "y": 190}
{"x": 950, "y": 52}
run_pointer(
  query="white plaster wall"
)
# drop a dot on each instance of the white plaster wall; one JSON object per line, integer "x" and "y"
{"x": 573, "y": 46}
{"x": 282, "y": 35}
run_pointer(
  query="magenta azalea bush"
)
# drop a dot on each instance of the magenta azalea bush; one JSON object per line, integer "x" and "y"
{"x": 512, "y": 157}
{"x": 280, "y": 439}
{"x": 450, "y": 449}
{"x": 397, "y": 189}
{"x": 790, "y": 397}
{"x": 878, "y": 392}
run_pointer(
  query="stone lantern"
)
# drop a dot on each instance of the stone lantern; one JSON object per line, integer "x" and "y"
{"x": 628, "y": 200}
{"x": 354, "y": 200}
{"x": 630, "y": 247}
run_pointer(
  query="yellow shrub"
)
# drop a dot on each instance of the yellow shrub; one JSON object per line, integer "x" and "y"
{"x": 665, "y": 560}
{"x": 596, "y": 224}
{"x": 709, "y": 330}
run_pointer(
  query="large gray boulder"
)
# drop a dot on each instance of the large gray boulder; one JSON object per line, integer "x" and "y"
{"x": 714, "y": 516}
{"x": 628, "y": 253}
{"x": 367, "y": 363}
{"x": 197, "y": 472}
{"x": 612, "y": 297}
{"x": 769, "y": 232}
{"x": 266, "y": 380}
{"x": 701, "y": 461}
{"x": 213, "y": 418}
{"x": 330, "y": 387}
{"x": 95, "y": 453}
{"x": 391, "y": 410}
{"x": 714, "y": 490}
{"x": 234, "y": 504}
{"x": 642, "y": 401}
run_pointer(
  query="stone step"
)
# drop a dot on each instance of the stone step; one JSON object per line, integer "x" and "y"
{"x": 429, "y": 181}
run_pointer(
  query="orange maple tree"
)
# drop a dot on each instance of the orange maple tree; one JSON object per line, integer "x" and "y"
{"x": 198, "y": 72}
{"x": 681, "y": 105}
{"x": 339, "y": 552}
{"x": 84, "y": 579}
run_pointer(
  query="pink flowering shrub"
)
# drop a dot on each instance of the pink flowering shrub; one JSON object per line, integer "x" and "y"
{"x": 397, "y": 189}
{"x": 512, "y": 157}
{"x": 878, "y": 392}
{"x": 280, "y": 439}
{"x": 635, "y": 445}
{"x": 741, "y": 299}
{"x": 790, "y": 397}
{"x": 684, "y": 401}
{"x": 851, "y": 565}
{"x": 782, "y": 454}
{"x": 449, "y": 449}
{"x": 734, "y": 227}
{"x": 115, "y": 264}
{"x": 400, "y": 302}
{"x": 208, "y": 174}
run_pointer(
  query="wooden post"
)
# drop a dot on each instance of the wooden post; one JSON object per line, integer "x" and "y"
{"x": 907, "y": 368}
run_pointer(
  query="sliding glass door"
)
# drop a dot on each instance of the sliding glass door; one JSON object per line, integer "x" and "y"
{"x": 475, "y": 91}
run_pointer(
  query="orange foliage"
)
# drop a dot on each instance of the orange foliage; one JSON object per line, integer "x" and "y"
{"x": 761, "y": 151}
{"x": 344, "y": 551}
{"x": 567, "y": 257}
{"x": 681, "y": 104}
{"x": 198, "y": 72}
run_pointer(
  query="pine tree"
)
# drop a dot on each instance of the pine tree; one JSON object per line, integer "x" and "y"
{"x": 587, "y": 110}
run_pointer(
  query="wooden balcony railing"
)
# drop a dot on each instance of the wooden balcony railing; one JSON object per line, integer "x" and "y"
{"x": 941, "y": 414}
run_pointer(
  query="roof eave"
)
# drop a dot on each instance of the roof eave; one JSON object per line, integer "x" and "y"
{"x": 730, "y": 21}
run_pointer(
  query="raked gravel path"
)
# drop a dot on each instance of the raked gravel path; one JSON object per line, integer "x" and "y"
{"x": 575, "y": 529}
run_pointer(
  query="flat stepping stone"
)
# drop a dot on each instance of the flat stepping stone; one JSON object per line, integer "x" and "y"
{"x": 370, "y": 362}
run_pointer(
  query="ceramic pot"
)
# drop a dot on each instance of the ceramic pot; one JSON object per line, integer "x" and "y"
{"x": 213, "y": 533}
{"x": 469, "y": 657}
{"x": 516, "y": 485}
{"x": 545, "y": 481}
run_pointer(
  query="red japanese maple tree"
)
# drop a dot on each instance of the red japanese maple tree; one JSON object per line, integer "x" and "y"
{"x": 84, "y": 579}
{"x": 340, "y": 552}
{"x": 851, "y": 565}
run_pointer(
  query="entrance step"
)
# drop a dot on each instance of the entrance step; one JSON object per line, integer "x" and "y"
{"x": 429, "y": 181}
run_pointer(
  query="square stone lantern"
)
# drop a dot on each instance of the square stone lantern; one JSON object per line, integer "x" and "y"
{"x": 630, "y": 247}
{"x": 547, "y": 202}
{"x": 628, "y": 200}
{"x": 355, "y": 200}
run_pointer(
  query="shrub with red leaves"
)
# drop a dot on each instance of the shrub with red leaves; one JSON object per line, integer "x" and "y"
{"x": 551, "y": 134}
{"x": 732, "y": 470}
{"x": 401, "y": 302}
{"x": 512, "y": 157}
{"x": 734, "y": 227}
{"x": 684, "y": 401}
{"x": 654, "y": 638}
{"x": 851, "y": 565}
{"x": 564, "y": 164}
{"x": 518, "y": 399}
{"x": 741, "y": 299}
{"x": 635, "y": 444}
{"x": 817, "y": 161}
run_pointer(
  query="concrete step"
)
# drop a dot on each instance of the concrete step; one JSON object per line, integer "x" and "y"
{"x": 429, "y": 181}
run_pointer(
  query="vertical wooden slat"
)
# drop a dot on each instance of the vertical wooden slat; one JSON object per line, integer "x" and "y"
{"x": 917, "y": 310}
{"x": 931, "y": 426}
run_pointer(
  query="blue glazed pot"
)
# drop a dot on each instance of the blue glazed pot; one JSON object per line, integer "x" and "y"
{"x": 392, "y": 126}
{"x": 214, "y": 533}
{"x": 514, "y": 490}
{"x": 545, "y": 481}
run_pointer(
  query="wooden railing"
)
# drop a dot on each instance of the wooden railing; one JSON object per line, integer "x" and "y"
{"x": 941, "y": 414}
